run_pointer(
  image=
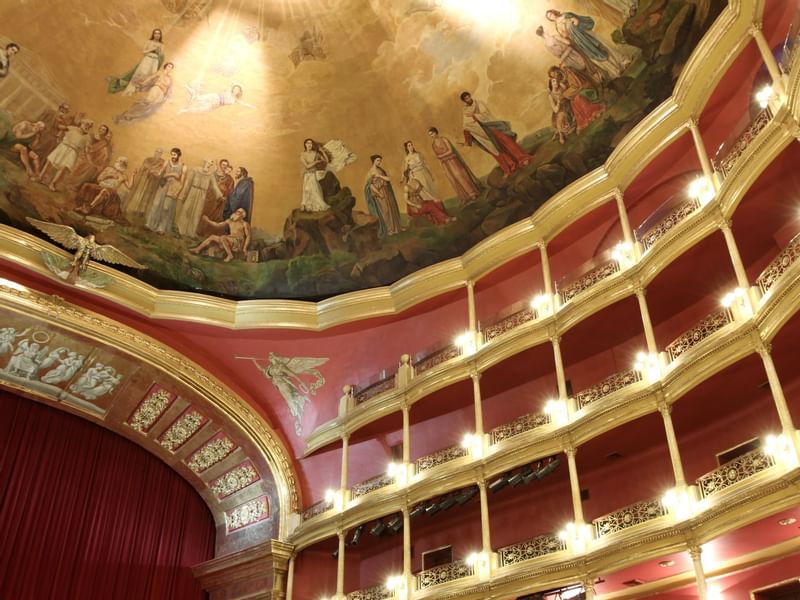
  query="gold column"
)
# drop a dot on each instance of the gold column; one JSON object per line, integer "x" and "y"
{"x": 777, "y": 391}
{"x": 476, "y": 395}
{"x": 705, "y": 162}
{"x": 548, "y": 279}
{"x": 736, "y": 259}
{"x": 672, "y": 442}
{"x": 406, "y": 435}
{"x": 485, "y": 538}
{"x": 290, "y": 578}
{"x": 560, "y": 377}
{"x": 407, "y": 551}
{"x": 574, "y": 485}
{"x": 473, "y": 321}
{"x": 627, "y": 232}
{"x": 340, "y": 568}
{"x": 345, "y": 460}
{"x": 588, "y": 588}
{"x": 695, "y": 552}
{"x": 649, "y": 332}
{"x": 768, "y": 58}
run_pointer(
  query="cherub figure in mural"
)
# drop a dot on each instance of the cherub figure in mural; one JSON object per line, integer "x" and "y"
{"x": 381, "y": 200}
{"x": 52, "y": 358}
{"x": 574, "y": 102}
{"x": 159, "y": 89}
{"x": 95, "y": 157}
{"x": 314, "y": 160}
{"x": 289, "y": 376}
{"x": 26, "y": 359}
{"x": 491, "y": 135}
{"x": 97, "y": 381}
{"x": 146, "y": 181}
{"x": 150, "y": 63}
{"x": 161, "y": 214}
{"x": 63, "y": 159}
{"x": 8, "y": 338}
{"x": 6, "y": 54}
{"x": 21, "y": 141}
{"x": 200, "y": 102}
{"x": 416, "y": 164}
{"x": 68, "y": 366}
{"x": 102, "y": 198}
{"x": 310, "y": 47}
{"x": 241, "y": 196}
{"x": 463, "y": 181}
{"x": 200, "y": 186}
{"x": 577, "y": 30}
{"x": 233, "y": 237}
{"x": 420, "y": 202}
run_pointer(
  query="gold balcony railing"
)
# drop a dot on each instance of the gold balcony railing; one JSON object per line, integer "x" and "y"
{"x": 712, "y": 323}
{"x": 440, "y": 457}
{"x": 635, "y": 514}
{"x": 778, "y": 266}
{"x": 730, "y": 151}
{"x": 589, "y": 274}
{"x": 370, "y": 485}
{"x": 377, "y": 592}
{"x": 664, "y": 218}
{"x": 373, "y": 389}
{"x": 528, "y": 550}
{"x": 509, "y": 322}
{"x": 517, "y": 426}
{"x": 610, "y": 384}
{"x": 444, "y": 573}
{"x": 436, "y": 358}
{"x": 317, "y": 509}
{"x": 735, "y": 471}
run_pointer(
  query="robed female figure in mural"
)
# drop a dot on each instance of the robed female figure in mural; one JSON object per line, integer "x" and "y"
{"x": 461, "y": 178}
{"x": 314, "y": 161}
{"x": 420, "y": 202}
{"x": 577, "y": 30}
{"x": 158, "y": 87}
{"x": 152, "y": 59}
{"x": 415, "y": 162}
{"x": 380, "y": 198}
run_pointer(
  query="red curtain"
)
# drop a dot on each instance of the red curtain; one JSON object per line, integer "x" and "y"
{"x": 85, "y": 513}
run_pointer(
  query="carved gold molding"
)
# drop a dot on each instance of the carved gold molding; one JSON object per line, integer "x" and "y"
{"x": 703, "y": 71}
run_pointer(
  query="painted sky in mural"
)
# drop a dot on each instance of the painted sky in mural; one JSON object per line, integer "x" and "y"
{"x": 302, "y": 149}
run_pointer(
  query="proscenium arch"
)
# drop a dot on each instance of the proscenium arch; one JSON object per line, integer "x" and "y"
{"x": 233, "y": 416}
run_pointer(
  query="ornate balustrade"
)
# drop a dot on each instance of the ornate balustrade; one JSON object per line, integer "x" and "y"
{"x": 635, "y": 514}
{"x": 735, "y": 471}
{"x": 778, "y": 266}
{"x": 436, "y": 358}
{"x": 530, "y": 549}
{"x": 377, "y": 592}
{"x": 591, "y": 273}
{"x": 610, "y": 384}
{"x": 713, "y": 322}
{"x": 317, "y": 509}
{"x": 373, "y": 389}
{"x": 789, "y": 53}
{"x": 665, "y": 217}
{"x": 370, "y": 485}
{"x": 517, "y": 426}
{"x": 730, "y": 152}
{"x": 509, "y": 322}
{"x": 444, "y": 573}
{"x": 440, "y": 457}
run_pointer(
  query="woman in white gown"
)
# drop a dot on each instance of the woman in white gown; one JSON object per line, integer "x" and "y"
{"x": 200, "y": 102}
{"x": 150, "y": 63}
{"x": 415, "y": 163}
{"x": 314, "y": 161}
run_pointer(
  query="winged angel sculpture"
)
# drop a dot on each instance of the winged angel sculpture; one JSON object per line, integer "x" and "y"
{"x": 286, "y": 374}
{"x": 86, "y": 249}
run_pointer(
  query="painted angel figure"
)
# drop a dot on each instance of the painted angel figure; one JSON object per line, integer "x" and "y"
{"x": 287, "y": 375}
{"x": 86, "y": 248}
{"x": 202, "y": 102}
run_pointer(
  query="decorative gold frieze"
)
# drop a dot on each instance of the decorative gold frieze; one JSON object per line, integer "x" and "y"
{"x": 317, "y": 509}
{"x": 444, "y": 573}
{"x": 211, "y": 453}
{"x": 370, "y": 485}
{"x": 440, "y": 457}
{"x": 234, "y": 480}
{"x": 588, "y": 279}
{"x": 517, "y": 426}
{"x": 436, "y": 358}
{"x": 508, "y": 323}
{"x": 778, "y": 266}
{"x": 247, "y": 514}
{"x": 182, "y": 429}
{"x": 610, "y": 384}
{"x": 635, "y": 514}
{"x": 713, "y": 322}
{"x": 735, "y": 471}
{"x": 530, "y": 549}
{"x": 150, "y": 410}
{"x": 737, "y": 148}
{"x": 378, "y": 592}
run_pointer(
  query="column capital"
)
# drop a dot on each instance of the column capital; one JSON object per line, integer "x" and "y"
{"x": 695, "y": 552}
{"x": 725, "y": 223}
{"x": 764, "y": 349}
{"x": 474, "y": 373}
{"x": 541, "y": 245}
{"x": 639, "y": 289}
{"x": 692, "y": 123}
{"x": 555, "y": 338}
{"x": 570, "y": 449}
{"x": 756, "y": 28}
{"x": 345, "y": 437}
{"x": 664, "y": 407}
{"x": 469, "y": 283}
{"x": 618, "y": 194}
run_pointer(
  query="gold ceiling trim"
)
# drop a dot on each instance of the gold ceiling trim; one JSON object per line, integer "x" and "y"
{"x": 705, "y": 68}
{"x": 63, "y": 315}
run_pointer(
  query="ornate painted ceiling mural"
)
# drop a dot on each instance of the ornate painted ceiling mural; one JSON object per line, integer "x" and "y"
{"x": 306, "y": 148}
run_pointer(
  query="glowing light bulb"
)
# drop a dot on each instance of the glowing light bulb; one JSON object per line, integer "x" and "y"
{"x": 763, "y": 95}
{"x": 702, "y": 190}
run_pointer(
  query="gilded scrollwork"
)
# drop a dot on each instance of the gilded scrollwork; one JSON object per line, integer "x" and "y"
{"x": 378, "y": 592}
{"x": 735, "y": 471}
{"x": 635, "y": 514}
{"x": 370, "y": 485}
{"x": 369, "y": 392}
{"x": 587, "y": 280}
{"x": 181, "y": 430}
{"x": 440, "y": 457}
{"x": 150, "y": 410}
{"x": 234, "y": 480}
{"x": 444, "y": 573}
{"x": 247, "y": 514}
{"x": 436, "y": 358}
{"x": 508, "y": 323}
{"x": 211, "y": 453}
{"x": 725, "y": 164}
{"x": 530, "y": 549}
{"x": 670, "y": 220}
{"x": 712, "y": 323}
{"x": 317, "y": 509}
{"x": 778, "y": 266}
{"x": 610, "y": 384}
{"x": 517, "y": 426}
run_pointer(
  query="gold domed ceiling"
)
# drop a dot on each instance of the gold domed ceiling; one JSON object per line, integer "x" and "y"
{"x": 306, "y": 148}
